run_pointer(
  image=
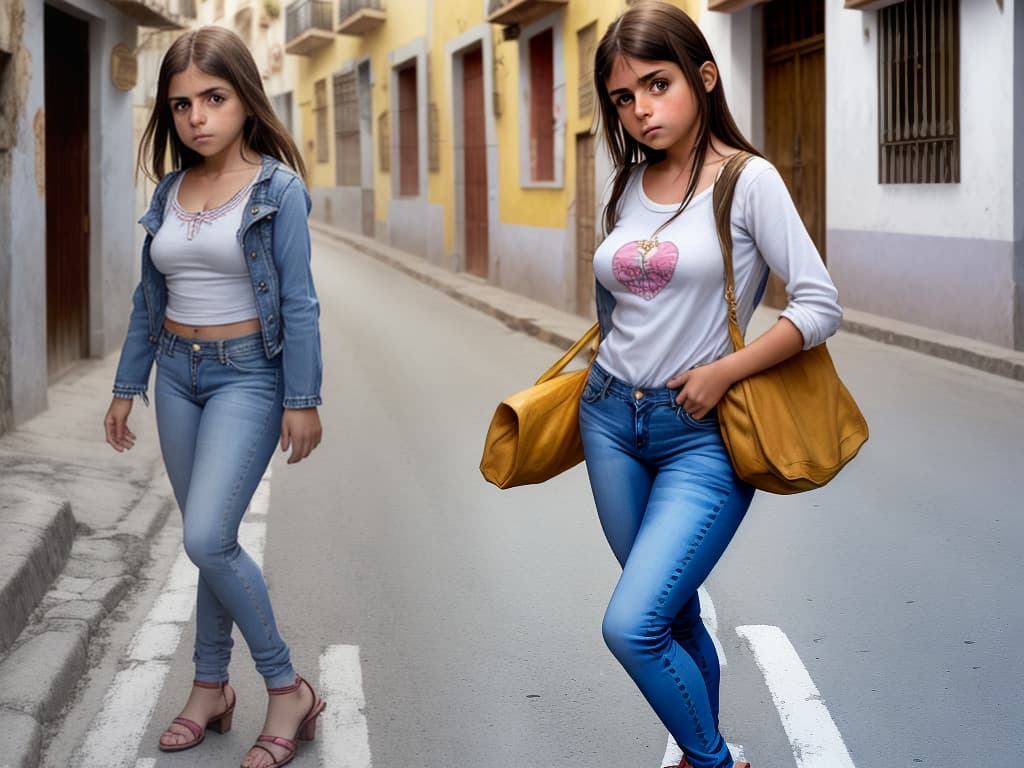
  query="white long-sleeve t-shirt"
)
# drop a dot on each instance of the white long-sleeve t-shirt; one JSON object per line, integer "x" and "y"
{"x": 670, "y": 309}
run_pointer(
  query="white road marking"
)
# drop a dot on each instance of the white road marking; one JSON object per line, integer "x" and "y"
{"x": 345, "y": 741}
{"x": 812, "y": 733}
{"x": 710, "y": 617}
{"x": 116, "y": 732}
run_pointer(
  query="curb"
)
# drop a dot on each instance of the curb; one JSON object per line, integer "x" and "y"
{"x": 35, "y": 542}
{"x": 50, "y": 655}
{"x": 982, "y": 356}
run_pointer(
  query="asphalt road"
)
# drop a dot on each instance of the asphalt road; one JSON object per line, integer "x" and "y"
{"x": 454, "y": 625}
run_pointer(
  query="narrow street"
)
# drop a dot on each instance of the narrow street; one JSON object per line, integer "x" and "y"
{"x": 453, "y": 625}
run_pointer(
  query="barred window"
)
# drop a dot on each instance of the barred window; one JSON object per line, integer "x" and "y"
{"x": 434, "y": 138}
{"x": 384, "y": 141}
{"x": 320, "y": 111}
{"x": 348, "y": 153}
{"x": 919, "y": 92}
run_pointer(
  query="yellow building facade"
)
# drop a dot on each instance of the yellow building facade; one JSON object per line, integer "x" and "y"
{"x": 464, "y": 131}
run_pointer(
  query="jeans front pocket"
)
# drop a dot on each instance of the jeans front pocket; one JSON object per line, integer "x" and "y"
{"x": 595, "y": 387}
{"x": 250, "y": 361}
{"x": 709, "y": 422}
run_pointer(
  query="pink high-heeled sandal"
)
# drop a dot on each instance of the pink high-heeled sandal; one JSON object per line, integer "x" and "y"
{"x": 220, "y": 723}
{"x": 306, "y": 730}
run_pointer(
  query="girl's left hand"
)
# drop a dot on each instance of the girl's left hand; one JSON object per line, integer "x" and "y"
{"x": 702, "y": 388}
{"x": 301, "y": 431}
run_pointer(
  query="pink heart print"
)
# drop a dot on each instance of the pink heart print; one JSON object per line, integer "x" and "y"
{"x": 645, "y": 266}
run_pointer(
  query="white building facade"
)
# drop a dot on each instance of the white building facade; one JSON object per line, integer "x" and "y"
{"x": 938, "y": 243}
{"x": 67, "y": 255}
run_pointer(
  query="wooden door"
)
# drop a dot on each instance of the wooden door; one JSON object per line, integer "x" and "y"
{"x": 475, "y": 163}
{"x": 408, "y": 134}
{"x": 66, "y": 82}
{"x": 586, "y": 225}
{"x": 794, "y": 94}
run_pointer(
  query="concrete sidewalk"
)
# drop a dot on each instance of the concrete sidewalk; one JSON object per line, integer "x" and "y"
{"x": 76, "y": 518}
{"x": 75, "y": 523}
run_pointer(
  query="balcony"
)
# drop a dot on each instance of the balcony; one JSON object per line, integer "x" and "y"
{"x": 158, "y": 14}
{"x": 359, "y": 17}
{"x": 521, "y": 12}
{"x": 308, "y": 27}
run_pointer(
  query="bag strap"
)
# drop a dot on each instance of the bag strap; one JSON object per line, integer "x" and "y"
{"x": 574, "y": 350}
{"x": 725, "y": 186}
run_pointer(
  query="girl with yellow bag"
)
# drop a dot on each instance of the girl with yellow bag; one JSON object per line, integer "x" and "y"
{"x": 666, "y": 493}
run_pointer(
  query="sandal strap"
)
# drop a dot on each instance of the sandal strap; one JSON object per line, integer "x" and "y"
{"x": 279, "y": 741}
{"x": 261, "y": 747}
{"x": 286, "y": 689}
{"x": 192, "y": 725}
{"x": 211, "y": 686}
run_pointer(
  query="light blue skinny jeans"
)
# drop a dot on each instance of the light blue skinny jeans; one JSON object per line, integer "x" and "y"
{"x": 669, "y": 503}
{"x": 218, "y": 413}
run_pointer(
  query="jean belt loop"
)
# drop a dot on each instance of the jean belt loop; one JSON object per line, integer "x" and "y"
{"x": 170, "y": 342}
{"x": 607, "y": 383}
{"x": 222, "y": 355}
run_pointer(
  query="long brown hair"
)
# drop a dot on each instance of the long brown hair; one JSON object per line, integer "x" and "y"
{"x": 656, "y": 31}
{"x": 218, "y": 52}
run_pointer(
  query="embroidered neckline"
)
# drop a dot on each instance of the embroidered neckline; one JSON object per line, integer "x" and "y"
{"x": 193, "y": 220}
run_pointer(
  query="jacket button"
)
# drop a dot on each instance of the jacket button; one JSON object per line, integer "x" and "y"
{"x": 270, "y": 216}
{"x": 263, "y": 286}
{"x": 253, "y": 255}
{"x": 270, "y": 318}
{"x": 254, "y": 210}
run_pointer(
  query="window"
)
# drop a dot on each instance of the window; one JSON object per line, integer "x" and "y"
{"x": 384, "y": 141}
{"x": 586, "y": 44}
{"x": 433, "y": 138}
{"x": 320, "y": 113}
{"x": 8, "y": 115}
{"x": 282, "y": 104}
{"x": 408, "y": 134}
{"x": 346, "y": 130}
{"x": 919, "y": 92}
{"x": 542, "y": 111}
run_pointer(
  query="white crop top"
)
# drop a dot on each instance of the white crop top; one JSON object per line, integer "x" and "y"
{"x": 669, "y": 313}
{"x": 199, "y": 254}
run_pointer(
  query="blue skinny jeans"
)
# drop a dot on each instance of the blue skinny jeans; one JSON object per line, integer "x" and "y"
{"x": 669, "y": 503}
{"x": 218, "y": 413}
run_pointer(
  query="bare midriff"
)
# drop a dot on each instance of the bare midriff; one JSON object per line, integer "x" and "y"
{"x": 213, "y": 332}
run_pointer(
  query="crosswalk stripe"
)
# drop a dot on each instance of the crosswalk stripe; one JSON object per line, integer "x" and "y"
{"x": 116, "y": 732}
{"x": 345, "y": 741}
{"x": 813, "y": 735}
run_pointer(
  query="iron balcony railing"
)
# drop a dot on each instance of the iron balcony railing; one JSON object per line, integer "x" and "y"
{"x": 348, "y": 8}
{"x": 304, "y": 15}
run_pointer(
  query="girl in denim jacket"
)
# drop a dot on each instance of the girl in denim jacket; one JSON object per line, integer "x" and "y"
{"x": 666, "y": 494}
{"x": 227, "y": 309}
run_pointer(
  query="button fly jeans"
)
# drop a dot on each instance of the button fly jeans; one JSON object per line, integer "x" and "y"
{"x": 218, "y": 411}
{"x": 669, "y": 503}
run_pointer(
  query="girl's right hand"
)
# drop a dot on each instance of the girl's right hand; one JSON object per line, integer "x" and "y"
{"x": 116, "y": 424}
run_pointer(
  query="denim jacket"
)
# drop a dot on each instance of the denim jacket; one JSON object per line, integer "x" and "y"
{"x": 274, "y": 236}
